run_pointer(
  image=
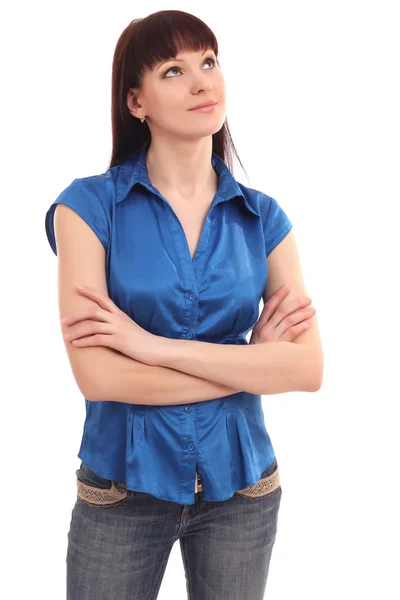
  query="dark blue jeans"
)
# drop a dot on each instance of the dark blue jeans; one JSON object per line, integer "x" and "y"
{"x": 119, "y": 550}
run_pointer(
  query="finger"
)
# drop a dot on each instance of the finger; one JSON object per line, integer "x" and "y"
{"x": 89, "y": 328}
{"x": 92, "y": 313}
{"x": 272, "y": 303}
{"x": 101, "y": 299}
{"x": 94, "y": 340}
{"x": 293, "y": 332}
{"x": 293, "y": 306}
{"x": 294, "y": 319}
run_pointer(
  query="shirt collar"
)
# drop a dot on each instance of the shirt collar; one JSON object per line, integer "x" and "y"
{"x": 134, "y": 170}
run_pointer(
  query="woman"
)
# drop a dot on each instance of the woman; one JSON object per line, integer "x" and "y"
{"x": 176, "y": 255}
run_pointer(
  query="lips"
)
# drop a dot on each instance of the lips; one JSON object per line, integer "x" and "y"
{"x": 203, "y": 104}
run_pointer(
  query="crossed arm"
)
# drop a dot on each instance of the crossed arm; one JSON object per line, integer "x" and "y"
{"x": 197, "y": 371}
{"x": 215, "y": 370}
{"x": 188, "y": 371}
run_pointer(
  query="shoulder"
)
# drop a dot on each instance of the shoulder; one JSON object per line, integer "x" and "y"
{"x": 101, "y": 186}
{"x": 258, "y": 200}
{"x": 276, "y": 223}
{"x": 92, "y": 198}
{"x": 94, "y": 193}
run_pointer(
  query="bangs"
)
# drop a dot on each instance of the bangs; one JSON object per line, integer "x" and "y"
{"x": 161, "y": 38}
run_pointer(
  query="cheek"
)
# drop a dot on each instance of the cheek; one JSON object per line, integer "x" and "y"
{"x": 160, "y": 109}
{"x": 219, "y": 92}
{"x": 172, "y": 101}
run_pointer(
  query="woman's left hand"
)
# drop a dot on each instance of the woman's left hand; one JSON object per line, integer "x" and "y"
{"x": 107, "y": 325}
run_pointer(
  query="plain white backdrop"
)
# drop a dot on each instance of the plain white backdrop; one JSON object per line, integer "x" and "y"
{"x": 313, "y": 106}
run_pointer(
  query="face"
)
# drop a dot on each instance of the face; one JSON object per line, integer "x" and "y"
{"x": 172, "y": 88}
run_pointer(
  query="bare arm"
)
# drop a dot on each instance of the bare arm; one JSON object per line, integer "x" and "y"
{"x": 266, "y": 368}
{"x": 126, "y": 380}
{"x": 102, "y": 373}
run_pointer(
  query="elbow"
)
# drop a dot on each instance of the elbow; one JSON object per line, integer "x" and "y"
{"x": 92, "y": 395}
{"x": 310, "y": 383}
{"x": 88, "y": 390}
{"x": 315, "y": 384}
{"x": 91, "y": 373}
{"x": 316, "y": 379}
{"x": 97, "y": 387}
{"x": 315, "y": 370}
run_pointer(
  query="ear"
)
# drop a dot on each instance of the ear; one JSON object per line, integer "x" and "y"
{"x": 132, "y": 102}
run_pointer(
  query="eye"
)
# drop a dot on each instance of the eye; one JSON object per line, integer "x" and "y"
{"x": 211, "y": 60}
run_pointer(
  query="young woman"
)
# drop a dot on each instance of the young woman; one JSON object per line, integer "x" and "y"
{"x": 176, "y": 255}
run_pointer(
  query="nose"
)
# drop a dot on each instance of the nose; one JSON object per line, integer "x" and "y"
{"x": 206, "y": 86}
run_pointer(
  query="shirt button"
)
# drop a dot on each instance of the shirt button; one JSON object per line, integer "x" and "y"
{"x": 192, "y": 296}
{"x": 188, "y": 408}
{"x": 189, "y": 335}
{"x": 190, "y": 447}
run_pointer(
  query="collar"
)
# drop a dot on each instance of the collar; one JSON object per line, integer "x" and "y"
{"x": 134, "y": 170}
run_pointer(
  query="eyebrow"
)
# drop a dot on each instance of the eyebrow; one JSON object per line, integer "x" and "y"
{"x": 180, "y": 59}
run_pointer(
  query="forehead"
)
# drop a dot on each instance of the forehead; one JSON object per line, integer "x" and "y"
{"x": 183, "y": 54}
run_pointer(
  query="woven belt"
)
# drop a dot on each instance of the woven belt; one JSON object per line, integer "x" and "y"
{"x": 96, "y": 495}
{"x": 262, "y": 487}
{"x": 116, "y": 493}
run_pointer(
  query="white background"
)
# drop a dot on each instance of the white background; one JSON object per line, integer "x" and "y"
{"x": 313, "y": 106}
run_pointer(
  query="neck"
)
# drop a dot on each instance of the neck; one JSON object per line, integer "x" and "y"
{"x": 180, "y": 168}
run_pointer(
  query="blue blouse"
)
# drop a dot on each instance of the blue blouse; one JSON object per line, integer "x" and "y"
{"x": 214, "y": 298}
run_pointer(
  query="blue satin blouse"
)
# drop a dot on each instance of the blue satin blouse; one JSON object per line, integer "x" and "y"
{"x": 214, "y": 298}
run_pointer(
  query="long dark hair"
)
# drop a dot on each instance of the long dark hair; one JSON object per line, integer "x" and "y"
{"x": 143, "y": 43}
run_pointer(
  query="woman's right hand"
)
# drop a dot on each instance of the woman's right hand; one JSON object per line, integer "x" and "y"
{"x": 282, "y": 322}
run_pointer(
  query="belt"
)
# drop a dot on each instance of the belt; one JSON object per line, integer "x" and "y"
{"x": 262, "y": 487}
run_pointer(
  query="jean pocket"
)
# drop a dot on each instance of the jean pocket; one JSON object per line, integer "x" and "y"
{"x": 268, "y": 484}
{"x": 94, "y": 490}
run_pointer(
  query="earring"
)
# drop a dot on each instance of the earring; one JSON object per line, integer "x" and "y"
{"x": 142, "y": 118}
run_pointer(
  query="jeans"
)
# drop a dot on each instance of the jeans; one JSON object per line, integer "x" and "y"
{"x": 118, "y": 545}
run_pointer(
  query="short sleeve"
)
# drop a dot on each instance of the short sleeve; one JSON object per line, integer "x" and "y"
{"x": 83, "y": 200}
{"x": 276, "y": 226}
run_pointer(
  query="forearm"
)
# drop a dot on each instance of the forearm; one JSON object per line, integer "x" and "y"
{"x": 265, "y": 368}
{"x": 122, "y": 379}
